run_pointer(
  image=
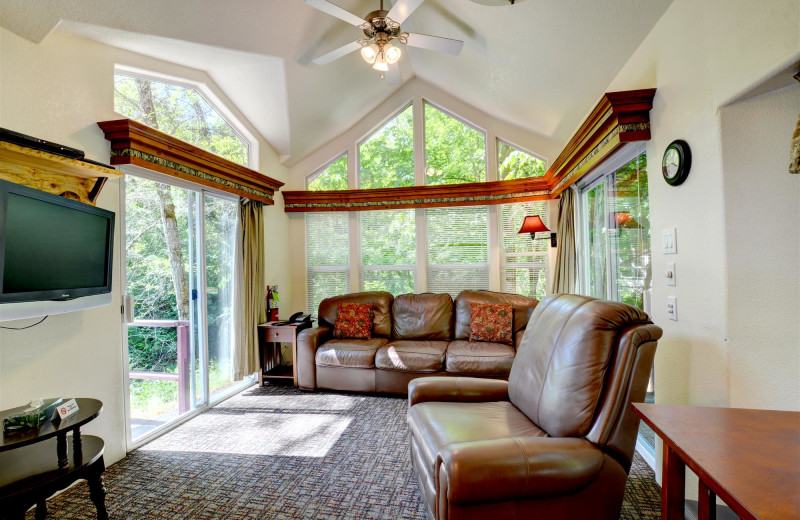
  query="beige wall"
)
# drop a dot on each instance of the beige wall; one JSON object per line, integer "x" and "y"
{"x": 58, "y": 90}
{"x": 732, "y": 284}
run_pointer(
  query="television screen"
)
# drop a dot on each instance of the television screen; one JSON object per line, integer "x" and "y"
{"x": 52, "y": 248}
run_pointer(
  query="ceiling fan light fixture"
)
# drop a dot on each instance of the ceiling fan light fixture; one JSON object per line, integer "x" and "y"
{"x": 380, "y": 63}
{"x": 392, "y": 54}
{"x": 369, "y": 53}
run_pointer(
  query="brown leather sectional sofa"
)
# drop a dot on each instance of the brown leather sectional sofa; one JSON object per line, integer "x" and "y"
{"x": 414, "y": 335}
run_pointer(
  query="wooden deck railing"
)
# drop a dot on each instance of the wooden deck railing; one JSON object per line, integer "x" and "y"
{"x": 182, "y": 377}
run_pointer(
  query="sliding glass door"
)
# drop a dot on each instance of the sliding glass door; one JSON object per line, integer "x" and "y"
{"x": 180, "y": 250}
{"x": 615, "y": 239}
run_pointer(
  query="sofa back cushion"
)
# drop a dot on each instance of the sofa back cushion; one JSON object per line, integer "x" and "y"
{"x": 423, "y": 316}
{"x": 381, "y": 310}
{"x": 559, "y": 373}
{"x": 521, "y": 305}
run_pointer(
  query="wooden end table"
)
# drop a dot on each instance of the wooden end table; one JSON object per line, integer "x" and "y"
{"x": 39, "y": 462}
{"x": 273, "y": 333}
{"x": 749, "y": 458}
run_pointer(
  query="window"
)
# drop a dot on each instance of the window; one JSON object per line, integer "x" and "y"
{"x": 386, "y": 158}
{"x": 454, "y": 151}
{"x": 388, "y": 250}
{"x": 513, "y": 163}
{"x": 331, "y": 177}
{"x": 616, "y": 230}
{"x": 180, "y": 111}
{"x": 458, "y": 249}
{"x": 522, "y": 260}
{"x": 328, "y": 256}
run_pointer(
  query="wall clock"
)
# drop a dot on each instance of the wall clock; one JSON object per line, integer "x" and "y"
{"x": 676, "y": 163}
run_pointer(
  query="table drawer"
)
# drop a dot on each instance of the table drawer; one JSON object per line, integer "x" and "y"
{"x": 279, "y": 335}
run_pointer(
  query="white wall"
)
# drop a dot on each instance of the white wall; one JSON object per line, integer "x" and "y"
{"x": 699, "y": 56}
{"x": 58, "y": 90}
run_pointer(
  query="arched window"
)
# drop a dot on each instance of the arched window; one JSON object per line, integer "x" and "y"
{"x": 180, "y": 111}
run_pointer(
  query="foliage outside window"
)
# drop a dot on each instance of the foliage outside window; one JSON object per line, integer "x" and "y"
{"x": 457, "y": 249}
{"x": 523, "y": 260}
{"x": 513, "y": 163}
{"x": 327, "y": 256}
{"x": 617, "y": 231}
{"x": 388, "y": 251}
{"x": 332, "y": 177}
{"x": 455, "y": 152}
{"x": 179, "y": 111}
{"x": 386, "y": 159}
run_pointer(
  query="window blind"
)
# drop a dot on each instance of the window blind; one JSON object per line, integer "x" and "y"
{"x": 327, "y": 256}
{"x": 388, "y": 251}
{"x": 458, "y": 249}
{"x": 523, "y": 261}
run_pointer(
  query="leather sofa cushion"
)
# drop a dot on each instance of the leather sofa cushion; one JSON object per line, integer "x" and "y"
{"x": 411, "y": 356}
{"x": 381, "y": 310}
{"x": 423, "y": 316}
{"x": 558, "y": 376}
{"x": 435, "y": 425}
{"x": 354, "y": 353}
{"x": 479, "y": 358}
{"x": 522, "y": 306}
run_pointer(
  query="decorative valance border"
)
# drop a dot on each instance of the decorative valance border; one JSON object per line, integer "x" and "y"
{"x": 138, "y": 144}
{"x": 471, "y": 194}
{"x": 618, "y": 118}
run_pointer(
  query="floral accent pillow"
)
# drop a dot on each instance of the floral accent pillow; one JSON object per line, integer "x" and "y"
{"x": 491, "y": 322}
{"x": 353, "y": 321}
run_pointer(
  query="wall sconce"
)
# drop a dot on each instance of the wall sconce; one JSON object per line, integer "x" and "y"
{"x": 533, "y": 224}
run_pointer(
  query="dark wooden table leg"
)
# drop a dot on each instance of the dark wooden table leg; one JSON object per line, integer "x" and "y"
{"x": 61, "y": 449}
{"x": 97, "y": 492}
{"x": 41, "y": 510}
{"x": 673, "y": 484}
{"x": 77, "y": 446}
{"x": 706, "y": 503}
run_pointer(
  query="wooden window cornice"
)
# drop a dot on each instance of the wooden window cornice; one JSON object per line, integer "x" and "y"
{"x": 618, "y": 118}
{"x": 139, "y": 145}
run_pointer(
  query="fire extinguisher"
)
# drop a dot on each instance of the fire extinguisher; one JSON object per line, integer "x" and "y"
{"x": 272, "y": 303}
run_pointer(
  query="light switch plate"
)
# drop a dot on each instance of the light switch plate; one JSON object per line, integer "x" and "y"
{"x": 672, "y": 308}
{"x": 670, "y": 274}
{"x": 670, "y": 241}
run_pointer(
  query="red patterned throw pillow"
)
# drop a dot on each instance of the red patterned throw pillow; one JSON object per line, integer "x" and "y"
{"x": 353, "y": 321}
{"x": 491, "y": 322}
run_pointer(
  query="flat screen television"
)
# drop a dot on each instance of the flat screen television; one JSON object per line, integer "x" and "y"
{"x": 52, "y": 248}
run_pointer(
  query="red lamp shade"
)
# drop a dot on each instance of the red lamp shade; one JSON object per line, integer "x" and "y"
{"x": 532, "y": 224}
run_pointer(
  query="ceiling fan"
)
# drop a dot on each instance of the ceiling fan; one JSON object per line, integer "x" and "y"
{"x": 380, "y": 29}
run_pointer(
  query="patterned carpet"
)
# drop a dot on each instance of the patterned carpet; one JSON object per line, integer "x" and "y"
{"x": 279, "y": 453}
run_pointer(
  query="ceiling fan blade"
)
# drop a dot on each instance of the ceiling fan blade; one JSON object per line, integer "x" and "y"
{"x": 403, "y": 9}
{"x": 335, "y": 10}
{"x": 435, "y": 43}
{"x": 338, "y": 53}
{"x": 393, "y": 76}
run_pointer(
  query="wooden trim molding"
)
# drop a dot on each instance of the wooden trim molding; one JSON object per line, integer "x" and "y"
{"x": 471, "y": 194}
{"x": 618, "y": 118}
{"x": 138, "y": 144}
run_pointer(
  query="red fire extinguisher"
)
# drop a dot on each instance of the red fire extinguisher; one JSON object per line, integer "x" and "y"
{"x": 272, "y": 303}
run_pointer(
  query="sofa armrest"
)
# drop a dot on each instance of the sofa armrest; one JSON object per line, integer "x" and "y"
{"x": 516, "y": 468}
{"x": 462, "y": 389}
{"x": 308, "y": 341}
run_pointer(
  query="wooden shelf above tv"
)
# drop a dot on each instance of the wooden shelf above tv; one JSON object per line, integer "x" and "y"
{"x": 70, "y": 178}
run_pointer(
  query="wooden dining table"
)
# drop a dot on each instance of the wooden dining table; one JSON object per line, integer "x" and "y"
{"x": 748, "y": 458}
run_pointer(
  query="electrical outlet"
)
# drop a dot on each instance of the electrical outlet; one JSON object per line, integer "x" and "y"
{"x": 672, "y": 308}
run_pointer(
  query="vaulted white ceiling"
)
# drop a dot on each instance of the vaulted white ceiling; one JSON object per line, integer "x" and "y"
{"x": 539, "y": 64}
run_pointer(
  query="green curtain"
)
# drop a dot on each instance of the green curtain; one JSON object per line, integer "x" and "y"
{"x": 251, "y": 305}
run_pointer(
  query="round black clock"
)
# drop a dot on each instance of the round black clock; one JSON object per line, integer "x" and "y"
{"x": 676, "y": 163}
